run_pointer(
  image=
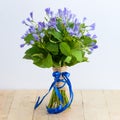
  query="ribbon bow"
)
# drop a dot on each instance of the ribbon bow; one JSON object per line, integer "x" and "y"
{"x": 65, "y": 81}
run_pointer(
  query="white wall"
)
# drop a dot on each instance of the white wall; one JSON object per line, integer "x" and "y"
{"x": 103, "y": 70}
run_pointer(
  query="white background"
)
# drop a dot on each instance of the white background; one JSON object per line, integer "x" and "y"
{"x": 103, "y": 70}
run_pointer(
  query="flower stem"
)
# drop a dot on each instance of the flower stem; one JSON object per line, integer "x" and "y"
{"x": 54, "y": 100}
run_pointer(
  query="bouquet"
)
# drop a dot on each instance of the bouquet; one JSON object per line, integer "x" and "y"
{"x": 59, "y": 41}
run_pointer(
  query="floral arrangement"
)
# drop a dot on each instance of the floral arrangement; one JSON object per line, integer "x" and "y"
{"x": 60, "y": 40}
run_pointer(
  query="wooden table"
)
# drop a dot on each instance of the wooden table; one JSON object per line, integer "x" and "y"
{"x": 87, "y": 105}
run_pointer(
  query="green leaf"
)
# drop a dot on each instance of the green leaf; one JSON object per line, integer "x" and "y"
{"x": 56, "y": 34}
{"x": 44, "y": 63}
{"x": 87, "y": 40}
{"x": 52, "y": 47}
{"x": 28, "y": 38}
{"x": 34, "y": 51}
{"x": 47, "y": 62}
{"x": 68, "y": 59}
{"x": 40, "y": 55}
{"x": 64, "y": 48}
{"x": 31, "y": 51}
{"x": 77, "y": 54}
{"x": 27, "y": 56}
{"x": 85, "y": 59}
{"x": 75, "y": 44}
{"x": 73, "y": 61}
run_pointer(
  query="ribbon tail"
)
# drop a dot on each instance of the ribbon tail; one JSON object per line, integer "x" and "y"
{"x": 37, "y": 103}
{"x": 40, "y": 101}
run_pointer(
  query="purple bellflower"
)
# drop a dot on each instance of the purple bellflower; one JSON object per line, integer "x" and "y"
{"x": 31, "y": 15}
{"x": 36, "y": 37}
{"x": 22, "y": 45}
{"x": 93, "y": 46}
{"x": 42, "y": 35}
{"x": 88, "y": 34}
{"x": 94, "y": 36}
{"x": 84, "y": 19}
{"x": 92, "y": 26}
{"x": 41, "y": 25}
{"x": 32, "y": 42}
{"x": 49, "y": 12}
{"x": 32, "y": 29}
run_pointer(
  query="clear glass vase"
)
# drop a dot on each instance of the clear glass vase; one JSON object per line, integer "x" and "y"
{"x": 54, "y": 100}
{"x": 59, "y": 99}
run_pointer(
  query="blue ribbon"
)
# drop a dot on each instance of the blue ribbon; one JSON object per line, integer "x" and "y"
{"x": 65, "y": 81}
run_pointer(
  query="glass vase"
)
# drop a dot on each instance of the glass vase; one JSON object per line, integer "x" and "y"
{"x": 54, "y": 100}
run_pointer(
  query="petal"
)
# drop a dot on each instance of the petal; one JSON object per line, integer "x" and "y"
{"x": 32, "y": 42}
{"x": 42, "y": 35}
{"x": 36, "y": 36}
{"x": 31, "y": 15}
{"x": 94, "y": 36}
{"x": 28, "y": 19}
{"x": 47, "y": 10}
{"x": 84, "y": 19}
{"x": 22, "y": 45}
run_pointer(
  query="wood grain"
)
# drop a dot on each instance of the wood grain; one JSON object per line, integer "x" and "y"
{"x": 113, "y": 103}
{"x": 22, "y": 106}
{"x": 87, "y": 105}
{"x": 40, "y": 113}
{"x": 6, "y": 99}
{"x": 94, "y": 105}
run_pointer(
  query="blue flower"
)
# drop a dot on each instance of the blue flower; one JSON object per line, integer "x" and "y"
{"x": 32, "y": 29}
{"x": 64, "y": 21}
{"x": 28, "y": 19}
{"x": 22, "y": 37}
{"x": 65, "y": 15}
{"x": 74, "y": 31}
{"x": 42, "y": 35}
{"x": 52, "y": 23}
{"x": 84, "y": 19}
{"x": 88, "y": 34}
{"x": 65, "y": 11}
{"x": 31, "y": 15}
{"x": 93, "y": 46}
{"x": 49, "y": 12}
{"x": 76, "y": 21}
{"x": 26, "y": 33}
{"x": 32, "y": 42}
{"x": 76, "y": 28}
{"x": 60, "y": 13}
{"x": 23, "y": 22}
{"x": 94, "y": 36}
{"x": 36, "y": 37}
{"x": 22, "y": 45}
{"x": 92, "y": 26}
{"x": 41, "y": 25}
{"x": 70, "y": 30}
{"x": 70, "y": 17}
